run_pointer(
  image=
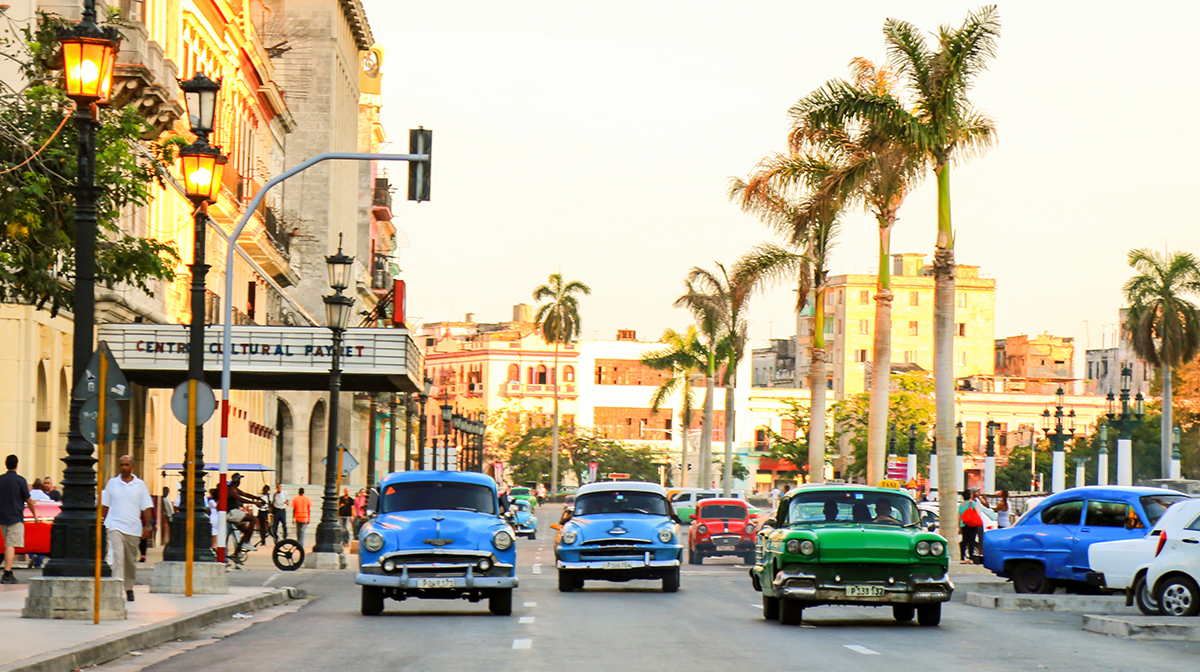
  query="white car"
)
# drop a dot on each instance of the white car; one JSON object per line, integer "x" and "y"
{"x": 1174, "y": 574}
{"x": 1122, "y": 565}
{"x": 929, "y": 517}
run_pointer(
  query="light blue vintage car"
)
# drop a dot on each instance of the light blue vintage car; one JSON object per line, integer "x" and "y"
{"x": 619, "y": 532}
{"x": 520, "y": 516}
{"x": 436, "y": 535}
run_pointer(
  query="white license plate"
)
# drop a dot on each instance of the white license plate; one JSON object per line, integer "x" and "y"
{"x": 726, "y": 548}
{"x": 618, "y": 565}
{"x": 435, "y": 583}
{"x": 864, "y": 591}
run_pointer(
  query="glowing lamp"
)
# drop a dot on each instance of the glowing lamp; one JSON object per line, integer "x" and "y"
{"x": 203, "y": 169}
{"x": 88, "y": 67}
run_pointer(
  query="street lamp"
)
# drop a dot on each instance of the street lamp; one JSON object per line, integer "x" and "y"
{"x": 447, "y": 418}
{"x": 1175, "y": 472}
{"x": 1125, "y": 421}
{"x": 89, "y": 52}
{"x": 1057, "y": 435}
{"x": 424, "y": 396}
{"x": 958, "y": 458}
{"x": 337, "y": 316}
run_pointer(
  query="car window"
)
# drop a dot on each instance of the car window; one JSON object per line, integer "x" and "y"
{"x": 722, "y": 512}
{"x": 1111, "y": 514}
{"x": 1156, "y": 505}
{"x": 1195, "y": 525}
{"x": 705, "y": 495}
{"x": 1063, "y": 513}
{"x": 681, "y": 496}
{"x": 616, "y": 501}
{"x": 424, "y": 495}
{"x": 850, "y": 506}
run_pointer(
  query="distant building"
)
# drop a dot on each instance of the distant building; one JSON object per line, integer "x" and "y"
{"x": 1103, "y": 366}
{"x": 1042, "y": 357}
{"x": 775, "y": 366}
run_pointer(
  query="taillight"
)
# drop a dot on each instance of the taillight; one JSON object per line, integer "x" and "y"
{"x": 1162, "y": 539}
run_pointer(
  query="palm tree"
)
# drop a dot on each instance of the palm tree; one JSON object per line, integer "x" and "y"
{"x": 559, "y": 321}
{"x": 684, "y": 356}
{"x": 1164, "y": 323}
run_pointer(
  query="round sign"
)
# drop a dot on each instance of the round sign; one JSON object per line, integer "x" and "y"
{"x": 89, "y": 414}
{"x": 206, "y": 402}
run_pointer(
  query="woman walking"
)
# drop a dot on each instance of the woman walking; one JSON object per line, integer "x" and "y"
{"x": 972, "y": 526}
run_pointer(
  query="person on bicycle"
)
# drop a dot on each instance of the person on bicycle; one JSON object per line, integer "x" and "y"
{"x": 234, "y": 500}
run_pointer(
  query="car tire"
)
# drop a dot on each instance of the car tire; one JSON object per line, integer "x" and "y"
{"x": 1143, "y": 599}
{"x": 748, "y": 559}
{"x": 1178, "y": 595}
{"x": 1030, "y": 577}
{"x": 903, "y": 612}
{"x": 670, "y": 581}
{"x": 500, "y": 602}
{"x": 791, "y": 612}
{"x": 929, "y": 615}
{"x": 696, "y": 558}
{"x": 567, "y": 583}
{"x": 372, "y": 601}
{"x": 770, "y": 608}
{"x": 533, "y": 535}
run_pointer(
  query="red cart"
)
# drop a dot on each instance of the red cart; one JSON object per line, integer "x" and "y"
{"x": 37, "y": 535}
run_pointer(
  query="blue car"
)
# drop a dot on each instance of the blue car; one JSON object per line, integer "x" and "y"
{"x": 520, "y": 516}
{"x": 619, "y": 532}
{"x": 1048, "y": 546}
{"x": 436, "y": 535}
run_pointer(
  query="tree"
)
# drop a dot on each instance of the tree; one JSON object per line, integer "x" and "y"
{"x": 708, "y": 322}
{"x": 1163, "y": 322}
{"x": 559, "y": 321}
{"x": 38, "y": 167}
{"x": 910, "y": 403}
{"x": 795, "y": 449}
{"x": 684, "y": 356}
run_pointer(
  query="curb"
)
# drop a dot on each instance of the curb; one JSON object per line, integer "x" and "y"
{"x": 1162, "y": 628}
{"x": 1092, "y": 604}
{"x": 110, "y": 648}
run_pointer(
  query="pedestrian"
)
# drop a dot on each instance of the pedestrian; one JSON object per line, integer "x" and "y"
{"x": 1002, "y": 510}
{"x": 48, "y": 486}
{"x": 264, "y": 514}
{"x": 214, "y": 514}
{"x": 971, "y": 521}
{"x": 14, "y": 497}
{"x": 165, "y": 511}
{"x": 345, "y": 513}
{"x": 360, "y": 510}
{"x": 126, "y": 506}
{"x": 773, "y": 497}
{"x": 301, "y": 509}
{"x": 279, "y": 505}
{"x": 38, "y": 492}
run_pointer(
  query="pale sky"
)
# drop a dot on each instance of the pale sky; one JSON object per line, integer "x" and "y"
{"x": 599, "y": 139}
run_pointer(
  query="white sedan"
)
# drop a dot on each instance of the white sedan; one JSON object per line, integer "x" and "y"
{"x": 1122, "y": 565}
{"x": 1174, "y": 574}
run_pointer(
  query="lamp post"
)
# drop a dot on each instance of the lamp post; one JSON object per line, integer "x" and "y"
{"x": 1102, "y": 458}
{"x": 911, "y": 471}
{"x": 1080, "y": 475}
{"x": 423, "y": 424}
{"x": 989, "y": 460}
{"x": 958, "y": 458}
{"x": 1125, "y": 421}
{"x": 447, "y": 418}
{"x": 933, "y": 466}
{"x": 1175, "y": 465}
{"x": 203, "y": 166}
{"x": 1057, "y": 436}
{"x": 337, "y": 316}
{"x": 89, "y": 53}
{"x": 482, "y": 438}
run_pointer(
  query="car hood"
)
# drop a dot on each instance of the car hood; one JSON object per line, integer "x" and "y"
{"x": 864, "y": 543}
{"x": 722, "y": 526}
{"x": 438, "y": 529}
{"x": 622, "y": 525}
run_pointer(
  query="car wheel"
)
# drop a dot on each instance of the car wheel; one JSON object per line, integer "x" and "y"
{"x": 791, "y": 612}
{"x": 533, "y": 535}
{"x": 1179, "y": 596}
{"x": 770, "y": 607}
{"x": 1030, "y": 577}
{"x": 903, "y": 612}
{"x": 500, "y": 602}
{"x": 566, "y": 582}
{"x": 696, "y": 557}
{"x": 670, "y": 582}
{"x": 372, "y": 601}
{"x": 1143, "y": 599}
{"x": 929, "y": 615}
{"x": 748, "y": 559}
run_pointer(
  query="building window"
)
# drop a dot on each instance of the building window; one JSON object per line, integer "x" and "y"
{"x": 839, "y": 297}
{"x": 864, "y": 326}
{"x": 839, "y": 331}
{"x": 962, "y": 359}
{"x": 910, "y": 356}
{"x": 529, "y": 375}
{"x": 829, "y": 298}
{"x": 962, "y": 300}
{"x": 541, "y": 377}
{"x": 829, "y": 325}
{"x": 860, "y": 356}
{"x": 514, "y": 373}
{"x": 962, "y": 329}
{"x": 864, "y": 297}
{"x": 914, "y": 298}
{"x": 568, "y": 374}
{"x": 913, "y": 328}
{"x": 762, "y": 440}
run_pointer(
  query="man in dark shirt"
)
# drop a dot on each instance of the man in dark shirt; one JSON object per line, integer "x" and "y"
{"x": 51, "y": 491}
{"x": 14, "y": 497}
{"x": 345, "y": 511}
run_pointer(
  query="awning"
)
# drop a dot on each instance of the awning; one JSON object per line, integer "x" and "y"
{"x": 211, "y": 466}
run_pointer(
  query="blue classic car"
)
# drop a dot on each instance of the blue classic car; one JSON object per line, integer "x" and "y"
{"x": 1048, "y": 546}
{"x": 520, "y": 516}
{"x": 619, "y": 532}
{"x": 439, "y": 535}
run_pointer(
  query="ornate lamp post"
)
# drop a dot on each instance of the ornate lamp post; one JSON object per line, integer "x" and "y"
{"x": 423, "y": 424}
{"x": 989, "y": 461}
{"x": 337, "y": 316}
{"x": 1125, "y": 421}
{"x": 958, "y": 458}
{"x": 1102, "y": 458}
{"x": 89, "y": 53}
{"x": 1058, "y": 439}
{"x": 1175, "y": 464}
{"x": 447, "y": 419}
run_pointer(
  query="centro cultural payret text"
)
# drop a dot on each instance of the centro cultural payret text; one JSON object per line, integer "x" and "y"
{"x": 264, "y": 349}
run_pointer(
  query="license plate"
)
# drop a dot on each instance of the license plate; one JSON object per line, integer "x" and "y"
{"x": 864, "y": 591}
{"x": 435, "y": 583}
{"x": 726, "y": 548}
{"x": 618, "y": 565}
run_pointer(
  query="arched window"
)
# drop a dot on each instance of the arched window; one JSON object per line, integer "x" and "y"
{"x": 568, "y": 374}
{"x": 514, "y": 373}
{"x": 529, "y": 375}
{"x": 540, "y": 378}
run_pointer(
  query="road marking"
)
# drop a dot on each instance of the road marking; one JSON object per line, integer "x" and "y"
{"x": 756, "y": 606}
{"x": 525, "y": 620}
{"x": 537, "y": 568}
{"x": 531, "y": 604}
{"x": 855, "y": 648}
{"x": 528, "y": 644}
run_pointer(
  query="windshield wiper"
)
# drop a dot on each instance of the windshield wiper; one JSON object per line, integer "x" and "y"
{"x": 642, "y": 511}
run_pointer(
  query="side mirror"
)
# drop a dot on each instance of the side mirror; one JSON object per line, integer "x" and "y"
{"x": 692, "y": 517}
{"x": 555, "y": 526}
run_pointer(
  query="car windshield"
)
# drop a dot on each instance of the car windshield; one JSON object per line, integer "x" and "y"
{"x": 1156, "y": 505}
{"x": 521, "y": 505}
{"x": 851, "y": 506}
{"x": 519, "y": 491}
{"x": 424, "y": 495}
{"x": 722, "y": 512}
{"x": 618, "y": 501}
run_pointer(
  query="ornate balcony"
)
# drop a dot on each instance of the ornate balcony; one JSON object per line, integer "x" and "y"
{"x": 515, "y": 389}
{"x": 145, "y": 79}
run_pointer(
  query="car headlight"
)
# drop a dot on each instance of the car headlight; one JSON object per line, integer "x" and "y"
{"x": 665, "y": 535}
{"x": 937, "y": 548}
{"x": 807, "y": 547}
{"x": 569, "y": 536}
{"x": 702, "y": 529}
{"x": 792, "y": 546}
{"x": 922, "y": 548}
{"x": 502, "y": 540}
{"x": 373, "y": 541}
{"x": 389, "y": 566}
{"x": 484, "y": 564}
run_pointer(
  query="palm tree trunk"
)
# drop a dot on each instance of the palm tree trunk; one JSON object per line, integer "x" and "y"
{"x": 554, "y": 431}
{"x": 727, "y": 471}
{"x": 943, "y": 363}
{"x": 686, "y": 429}
{"x": 881, "y": 365}
{"x": 799, "y": 383}
{"x": 705, "y": 476}
{"x": 816, "y": 388}
{"x": 1168, "y": 421}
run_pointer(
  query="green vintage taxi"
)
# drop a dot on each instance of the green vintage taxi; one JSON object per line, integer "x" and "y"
{"x": 850, "y": 545}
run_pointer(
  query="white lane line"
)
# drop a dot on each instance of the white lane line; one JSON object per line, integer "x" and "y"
{"x": 522, "y": 643}
{"x": 531, "y": 604}
{"x": 756, "y": 606}
{"x": 857, "y": 649}
{"x": 537, "y": 568}
{"x": 524, "y": 620}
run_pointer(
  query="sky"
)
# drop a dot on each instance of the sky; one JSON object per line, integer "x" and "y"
{"x": 598, "y": 140}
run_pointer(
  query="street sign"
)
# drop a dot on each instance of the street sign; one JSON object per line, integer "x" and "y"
{"x": 617, "y": 476}
{"x": 91, "y": 411}
{"x": 348, "y": 462}
{"x": 206, "y": 402}
{"x": 89, "y": 385}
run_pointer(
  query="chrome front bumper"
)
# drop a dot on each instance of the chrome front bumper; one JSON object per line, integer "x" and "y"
{"x": 920, "y": 590}
{"x": 603, "y": 565}
{"x": 405, "y": 582}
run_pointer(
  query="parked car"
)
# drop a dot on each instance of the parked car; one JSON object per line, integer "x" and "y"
{"x": 524, "y": 523}
{"x": 436, "y": 534}
{"x": 619, "y": 531}
{"x": 851, "y": 545}
{"x": 1121, "y": 565}
{"x": 929, "y": 517}
{"x": 1049, "y": 545}
{"x": 721, "y": 527}
{"x": 37, "y": 535}
{"x": 685, "y": 500}
{"x": 522, "y": 493}
{"x": 1174, "y": 573}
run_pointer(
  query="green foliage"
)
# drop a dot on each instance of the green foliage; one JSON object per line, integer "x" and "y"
{"x": 529, "y": 450}
{"x": 740, "y": 472}
{"x": 1164, "y": 323}
{"x": 910, "y": 403}
{"x": 37, "y": 229}
{"x": 559, "y": 316}
{"x": 794, "y": 450}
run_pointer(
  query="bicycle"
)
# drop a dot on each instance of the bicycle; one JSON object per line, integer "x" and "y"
{"x": 287, "y": 554}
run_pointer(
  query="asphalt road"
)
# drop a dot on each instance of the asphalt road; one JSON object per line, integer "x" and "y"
{"x": 714, "y": 622}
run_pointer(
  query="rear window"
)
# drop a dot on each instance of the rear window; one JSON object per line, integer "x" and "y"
{"x": 1156, "y": 505}
{"x": 722, "y": 512}
{"x": 1111, "y": 514}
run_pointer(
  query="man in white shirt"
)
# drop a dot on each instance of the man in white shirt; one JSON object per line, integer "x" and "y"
{"x": 126, "y": 507}
{"x": 279, "y": 506}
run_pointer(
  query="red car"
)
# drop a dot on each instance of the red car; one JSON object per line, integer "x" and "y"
{"x": 37, "y": 535}
{"x": 721, "y": 527}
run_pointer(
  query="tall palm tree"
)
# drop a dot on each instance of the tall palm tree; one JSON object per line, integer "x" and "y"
{"x": 943, "y": 125}
{"x": 1165, "y": 324}
{"x": 559, "y": 321}
{"x": 684, "y": 356}
{"x": 706, "y": 310}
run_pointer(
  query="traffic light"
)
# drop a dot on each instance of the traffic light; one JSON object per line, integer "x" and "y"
{"x": 420, "y": 141}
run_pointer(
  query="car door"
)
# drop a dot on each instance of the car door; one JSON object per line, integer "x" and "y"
{"x": 1060, "y": 530}
{"x": 1103, "y": 520}
{"x": 1189, "y": 546}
